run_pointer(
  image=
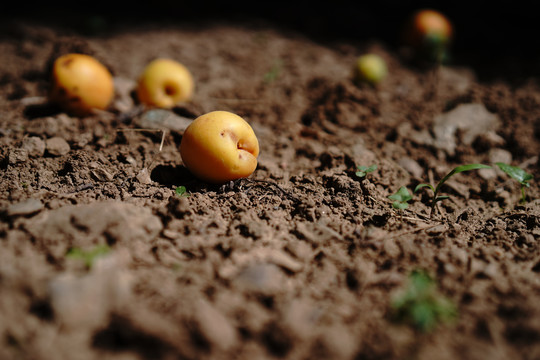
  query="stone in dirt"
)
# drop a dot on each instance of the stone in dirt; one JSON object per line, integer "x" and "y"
{"x": 34, "y": 146}
{"x": 57, "y": 146}
{"x": 471, "y": 120}
{"x": 161, "y": 119}
{"x": 17, "y": 156}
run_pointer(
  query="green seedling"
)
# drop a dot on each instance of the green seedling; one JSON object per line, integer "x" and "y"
{"x": 436, "y": 197}
{"x": 517, "y": 174}
{"x": 88, "y": 256}
{"x": 364, "y": 170}
{"x": 274, "y": 72}
{"x": 181, "y": 191}
{"x": 401, "y": 198}
{"x": 421, "y": 305}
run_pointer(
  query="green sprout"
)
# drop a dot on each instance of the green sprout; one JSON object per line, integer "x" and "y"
{"x": 88, "y": 256}
{"x": 421, "y": 305}
{"x": 364, "y": 170}
{"x": 518, "y": 174}
{"x": 436, "y": 197}
{"x": 181, "y": 191}
{"x": 274, "y": 72}
{"x": 435, "y": 48}
{"x": 401, "y": 198}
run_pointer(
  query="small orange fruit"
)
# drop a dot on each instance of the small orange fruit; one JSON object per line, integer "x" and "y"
{"x": 219, "y": 146}
{"x": 429, "y": 32}
{"x": 81, "y": 83}
{"x": 164, "y": 83}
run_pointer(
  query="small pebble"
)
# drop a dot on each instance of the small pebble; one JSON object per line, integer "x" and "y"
{"x": 57, "y": 146}
{"x": 17, "y": 156}
{"x": 163, "y": 119}
{"x": 34, "y": 146}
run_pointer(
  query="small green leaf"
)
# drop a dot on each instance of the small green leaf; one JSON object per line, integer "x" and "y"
{"x": 458, "y": 170}
{"x": 419, "y": 186}
{"x": 181, "y": 191}
{"x": 401, "y": 197}
{"x": 441, "y": 198}
{"x": 274, "y": 72}
{"x": 364, "y": 170}
{"x": 88, "y": 256}
{"x": 421, "y": 305}
{"x": 516, "y": 173}
{"x": 399, "y": 205}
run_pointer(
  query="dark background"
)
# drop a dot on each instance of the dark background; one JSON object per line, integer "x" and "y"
{"x": 496, "y": 38}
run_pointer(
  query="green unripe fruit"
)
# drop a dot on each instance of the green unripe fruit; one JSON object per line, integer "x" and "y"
{"x": 371, "y": 68}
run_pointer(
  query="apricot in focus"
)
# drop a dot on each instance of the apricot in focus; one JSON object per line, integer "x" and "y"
{"x": 219, "y": 146}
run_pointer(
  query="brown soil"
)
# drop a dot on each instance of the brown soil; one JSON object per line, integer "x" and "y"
{"x": 301, "y": 260}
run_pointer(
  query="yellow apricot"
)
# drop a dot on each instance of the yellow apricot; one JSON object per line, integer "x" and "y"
{"x": 219, "y": 146}
{"x": 164, "y": 83}
{"x": 81, "y": 83}
{"x": 371, "y": 68}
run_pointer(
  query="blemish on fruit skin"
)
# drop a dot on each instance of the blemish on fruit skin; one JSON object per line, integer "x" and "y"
{"x": 81, "y": 83}
{"x": 230, "y": 134}
{"x": 67, "y": 62}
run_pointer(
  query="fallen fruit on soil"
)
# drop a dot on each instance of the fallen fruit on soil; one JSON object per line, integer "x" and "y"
{"x": 219, "y": 146}
{"x": 371, "y": 68}
{"x": 429, "y": 32}
{"x": 81, "y": 83}
{"x": 164, "y": 83}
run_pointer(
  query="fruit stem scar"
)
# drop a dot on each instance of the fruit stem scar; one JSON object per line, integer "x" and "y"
{"x": 170, "y": 89}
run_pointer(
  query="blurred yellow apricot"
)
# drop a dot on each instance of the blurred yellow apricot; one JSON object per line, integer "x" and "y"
{"x": 371, "y": 68}
{"x": 81, "y": 83}
{"x": 164, "y": 83}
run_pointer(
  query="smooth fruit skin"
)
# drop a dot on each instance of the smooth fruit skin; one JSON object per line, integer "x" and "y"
{"x": 371, "y": 68}
{"x": 164, "y": 83}
{"x": 219, "y": 146}
{"x": 81, "y": 83}
{"x": 426, "y": 23}
{"x": 430, "y": 33}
